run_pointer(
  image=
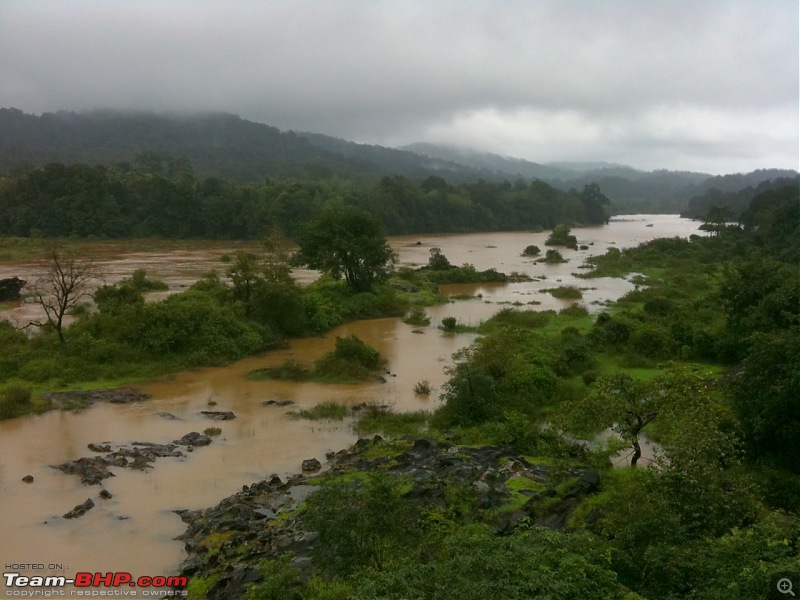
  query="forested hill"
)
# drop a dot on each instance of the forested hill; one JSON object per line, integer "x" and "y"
{"x": 228, "y": 147}
{"x": 217, "y": 144}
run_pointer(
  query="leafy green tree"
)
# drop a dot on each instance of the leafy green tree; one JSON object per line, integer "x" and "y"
{"x": 347, "y": 241}
{"x": 438, "y": 261}
{"x": 765, "y": 394}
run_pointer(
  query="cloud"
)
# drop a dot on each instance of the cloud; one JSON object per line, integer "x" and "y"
{"x": 679, "y": 81}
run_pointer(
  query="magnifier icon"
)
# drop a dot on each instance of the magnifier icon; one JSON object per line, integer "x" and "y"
{"x": 785, "y": 586}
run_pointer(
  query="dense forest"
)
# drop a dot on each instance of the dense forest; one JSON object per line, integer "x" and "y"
{"x": 160, "y": 196}
{"x": 226, "y": 147}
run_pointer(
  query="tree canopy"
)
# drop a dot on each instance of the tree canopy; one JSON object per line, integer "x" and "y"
{"x": 347, "y": 242}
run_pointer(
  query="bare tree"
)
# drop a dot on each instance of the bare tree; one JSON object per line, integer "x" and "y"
{"x": 63, "y": 285}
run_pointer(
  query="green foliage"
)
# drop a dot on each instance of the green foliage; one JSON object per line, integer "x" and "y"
{"x": 279, "y": 580}
{"x": 364, "y": 526}
{"x": 139, "y": 282}
{"x": 14, "y": 401}
{"x": 565, "y": 292}
{"x": 561, "y": 236}
{"x": 553, "y": 257}
{"x": 474, "y": 564}
{"x": 113, "y": 299}
{"x": 532, "y": 250}
{"x": 423, "y": 388}
{"x": 346, "y": 241}
{"x": 449, "y": 323}
{"x": 416, "y": 316}
{"x": 765, "y": 394}
{"x": 438, "y": 261}
{"x": 324, "y": 410}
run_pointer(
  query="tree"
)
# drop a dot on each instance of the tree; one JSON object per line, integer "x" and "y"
{"x": 347, "y": 241}
{"x": 64, "y": 284}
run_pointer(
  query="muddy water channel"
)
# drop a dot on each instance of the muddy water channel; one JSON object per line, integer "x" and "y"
{"x": 134, "y": 529}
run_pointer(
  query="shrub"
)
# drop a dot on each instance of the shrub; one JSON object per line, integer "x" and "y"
{"x": 566, "y": 292}
{"x": 139, "y": 281}
{"x": 416, "y": 316}
{"x": 423, "y": 388}
{"x": 449, "y": 323}
{"x": 553, "y": 257}
{"x": 14, "y": 401}
{"x": 560, "y": 236}
{"x": 531, "y": 250}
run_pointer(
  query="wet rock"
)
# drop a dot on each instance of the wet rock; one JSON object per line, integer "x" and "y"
{"x": 91, "y": 470}
{"x": 218, "y": 415}
{"x": 168, "y": 416}
{"x": 124, "y": 395}
{"x": 105, "y": 494}
{"x": 311, "y": 464}
{"x": 28, "y": 479}
{"x": 136, "y": 455}
{"x": 80, "y": 509}
{"x": 277, "y": 403}
{"x": 193, "y": 439}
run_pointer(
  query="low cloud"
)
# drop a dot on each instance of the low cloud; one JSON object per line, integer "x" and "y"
{"x": 685, "y": 85}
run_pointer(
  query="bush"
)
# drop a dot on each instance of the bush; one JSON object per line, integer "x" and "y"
{"x": 423, "y": 388}
{"x": 14, "y": 401}
{"x": 416, "y": 316}
{"x": 553, "y": 257}
{"x": 449, "y": 323}
{"x": 141, "y": 283}
{"x": 560, "y": 236}
{"x": 566, "y": 292}
{"x": 531, "y": 250}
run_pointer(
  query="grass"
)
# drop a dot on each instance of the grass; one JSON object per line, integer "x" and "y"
{"x": 394, "y": 424}
{"x": 19, "y": 249}
{"x": 325, "y": 410}
{"x": 565, "y": 292}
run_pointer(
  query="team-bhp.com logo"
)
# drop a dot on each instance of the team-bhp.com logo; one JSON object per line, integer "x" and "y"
{"x": 33, "y": 586}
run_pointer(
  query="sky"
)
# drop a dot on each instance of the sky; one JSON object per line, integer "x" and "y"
{"x": 693, "y": 85}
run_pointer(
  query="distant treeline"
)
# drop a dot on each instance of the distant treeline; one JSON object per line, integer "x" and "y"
{"x": 733, "y": 202}
{"x": 161, "y": 196}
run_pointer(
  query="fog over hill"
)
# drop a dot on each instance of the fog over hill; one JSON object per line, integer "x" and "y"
{"x": 226, "y": 146}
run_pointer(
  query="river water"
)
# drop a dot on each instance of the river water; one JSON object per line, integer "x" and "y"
{"x": 134, "y": 530}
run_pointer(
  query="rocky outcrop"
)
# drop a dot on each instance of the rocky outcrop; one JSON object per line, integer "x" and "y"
{"x": 228, "y": 541}
{"x": 124, "y": 395}
{"x": 137, "y": 455}
{"x": 218, "y": 415}
{"x": 80, "y": 509}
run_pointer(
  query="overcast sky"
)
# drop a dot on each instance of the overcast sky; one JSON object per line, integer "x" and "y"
{"x": 691, "y": 85}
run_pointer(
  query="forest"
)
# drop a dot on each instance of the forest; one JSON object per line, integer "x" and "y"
{"x": 159, "y": 196}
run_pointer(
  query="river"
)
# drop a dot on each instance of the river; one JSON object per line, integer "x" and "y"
{"x": 134, "y": 530}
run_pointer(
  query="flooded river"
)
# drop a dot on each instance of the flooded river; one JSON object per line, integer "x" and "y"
{"x": 134, "y": 530}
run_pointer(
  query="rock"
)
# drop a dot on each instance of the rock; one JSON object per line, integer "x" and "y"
{"x": 481, "y": 487}
{"x": 28, "y": 479}
{"x": 80, "y": 509}
{"x": 168, "y": 416}
{"x": 125, "y": 395}
{"x": 193, "y": 439}
{"x": 218, "y": 415}
{"x": 105, "y": 494}
{"x": 91, "y": 470}
{"x": 277, "y": 403}
{"x": 10, "y": 288}
{"x": 311, "y": 464}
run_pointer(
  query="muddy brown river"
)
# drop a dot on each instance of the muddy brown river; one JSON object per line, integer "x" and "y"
{"x": 134, "y": 530}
